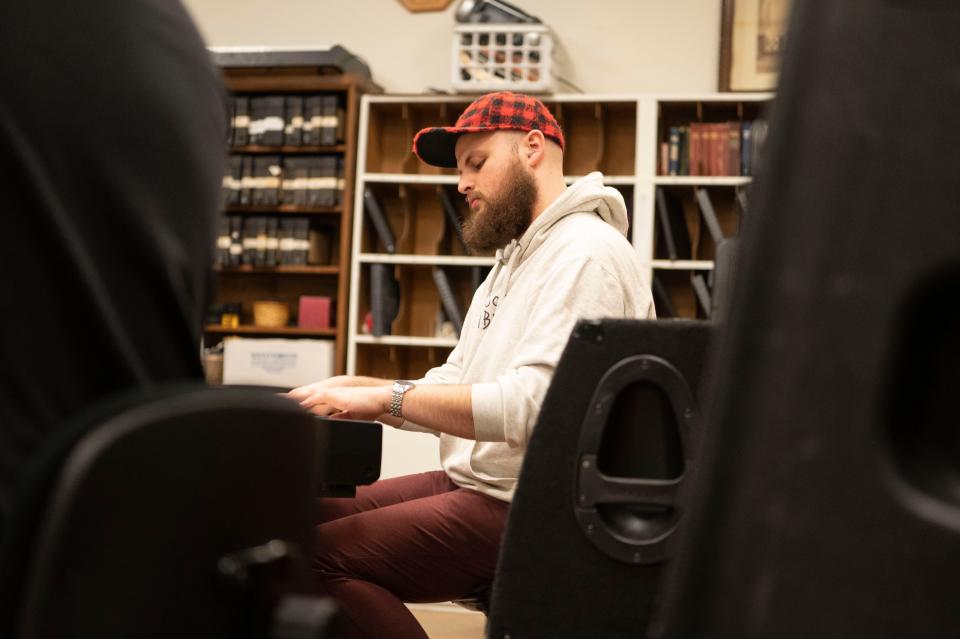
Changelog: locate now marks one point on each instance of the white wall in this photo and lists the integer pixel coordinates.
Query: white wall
(604, 46)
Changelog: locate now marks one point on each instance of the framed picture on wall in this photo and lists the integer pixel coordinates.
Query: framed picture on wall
(752, 35)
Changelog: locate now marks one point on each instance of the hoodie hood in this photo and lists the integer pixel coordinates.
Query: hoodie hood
(586, 195)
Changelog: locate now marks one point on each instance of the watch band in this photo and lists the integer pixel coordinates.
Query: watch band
(400, 387)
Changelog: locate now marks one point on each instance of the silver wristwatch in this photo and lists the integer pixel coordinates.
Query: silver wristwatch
(400, 386)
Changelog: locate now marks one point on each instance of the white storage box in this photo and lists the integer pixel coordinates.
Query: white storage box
(277, 362)
(496, 57)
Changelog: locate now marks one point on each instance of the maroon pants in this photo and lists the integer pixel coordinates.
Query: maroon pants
(417, 539)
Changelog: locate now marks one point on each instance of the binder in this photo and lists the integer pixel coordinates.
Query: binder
(709, 215)
(380, 223)
(673, 226)
(448, 299)
(384, 298)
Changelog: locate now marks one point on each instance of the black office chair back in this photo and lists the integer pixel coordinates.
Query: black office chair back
(828, 502)
(175, 513)
(602, 490)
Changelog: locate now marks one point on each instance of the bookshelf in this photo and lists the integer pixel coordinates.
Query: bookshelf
(324, 222)
(709, 171)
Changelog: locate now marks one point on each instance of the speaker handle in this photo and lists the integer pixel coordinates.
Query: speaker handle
(646, 538)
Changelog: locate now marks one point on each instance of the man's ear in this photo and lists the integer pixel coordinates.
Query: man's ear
(534, 148)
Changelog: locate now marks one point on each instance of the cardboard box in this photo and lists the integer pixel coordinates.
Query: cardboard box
(285, 363)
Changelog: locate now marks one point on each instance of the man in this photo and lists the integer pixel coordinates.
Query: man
(561, 255)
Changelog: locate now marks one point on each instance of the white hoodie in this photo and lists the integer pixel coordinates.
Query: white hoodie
(573, 262)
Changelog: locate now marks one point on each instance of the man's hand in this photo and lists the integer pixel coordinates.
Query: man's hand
(346, 397)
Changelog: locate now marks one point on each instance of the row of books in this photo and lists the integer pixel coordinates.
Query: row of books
(271, 241)
(287, 120)
(269, 180)
(712, 148)
(385, 295)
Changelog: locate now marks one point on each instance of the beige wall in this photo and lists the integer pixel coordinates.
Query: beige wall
(604, 46)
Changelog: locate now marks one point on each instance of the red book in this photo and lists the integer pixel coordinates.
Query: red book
(314, 312)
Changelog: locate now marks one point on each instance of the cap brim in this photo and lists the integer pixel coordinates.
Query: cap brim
(437, 145)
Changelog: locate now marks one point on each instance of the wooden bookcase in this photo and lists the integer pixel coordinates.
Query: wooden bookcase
(658, 115)
(286, 283)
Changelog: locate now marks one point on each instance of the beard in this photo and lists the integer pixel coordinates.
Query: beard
(504, 218)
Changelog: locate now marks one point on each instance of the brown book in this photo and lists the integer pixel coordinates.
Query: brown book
(696, 145)
(733, 148)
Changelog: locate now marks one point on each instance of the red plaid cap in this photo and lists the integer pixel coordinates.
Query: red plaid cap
(492, 112)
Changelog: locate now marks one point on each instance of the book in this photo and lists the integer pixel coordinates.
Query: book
(674, 158)
(709, 215)
(272, 124)
(447, 298)
(746, 148)
(312, 120)
(286, 245)
(248, 182)
(453, 215)
(673, 226)
(384, 298)
(272, 255)
(235, 257)
(379, 220)
(293, 124)
(222, 255)
(241, 120)
(330, 120)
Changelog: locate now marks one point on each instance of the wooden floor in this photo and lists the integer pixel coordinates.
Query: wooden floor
(447, 621)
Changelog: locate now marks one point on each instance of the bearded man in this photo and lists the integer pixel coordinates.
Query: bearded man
(561, 255)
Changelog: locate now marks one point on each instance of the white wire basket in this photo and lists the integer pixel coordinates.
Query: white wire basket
(496, 57)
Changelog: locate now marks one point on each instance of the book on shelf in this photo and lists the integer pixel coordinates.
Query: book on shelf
(293, 124)
(312, 120)
(447, 298)
(384, 298)
(267, 174)
(247, 182)
(222, 254)
(453, 215)
(702, 293)
(286, 244)
(709, 215)
(241, 120)
(661, 300)
(330, 120)
(379, 220)
(235, 257)
(673, 166)
(272, 242)
(673, 225)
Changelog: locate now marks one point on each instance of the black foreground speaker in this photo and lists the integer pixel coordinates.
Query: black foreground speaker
(828, 501)
(601, 491)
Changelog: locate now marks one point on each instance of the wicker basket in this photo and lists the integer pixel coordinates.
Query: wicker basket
(268, 314)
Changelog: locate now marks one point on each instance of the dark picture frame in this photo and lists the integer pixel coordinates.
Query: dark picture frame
(752, 35)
